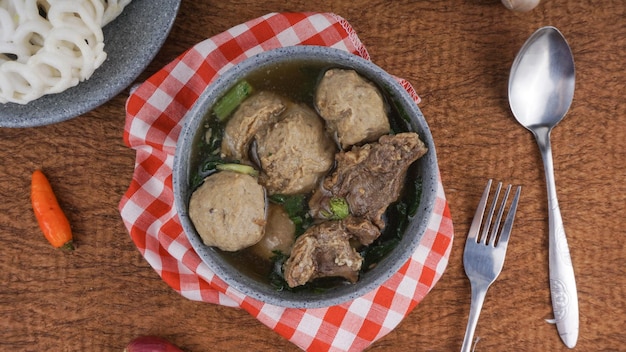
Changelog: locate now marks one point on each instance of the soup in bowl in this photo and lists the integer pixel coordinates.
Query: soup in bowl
(305, 176)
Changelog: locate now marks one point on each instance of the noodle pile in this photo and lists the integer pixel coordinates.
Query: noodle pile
(48, 46)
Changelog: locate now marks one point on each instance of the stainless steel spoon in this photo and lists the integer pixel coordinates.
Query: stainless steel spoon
(541, 89)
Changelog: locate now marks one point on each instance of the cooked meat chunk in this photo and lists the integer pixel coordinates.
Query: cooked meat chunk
(295, 152)
(228, 211)
(254, 114)
(369, 177)
(280, 233)
(324, 250)
(361, 229)
(352, 107)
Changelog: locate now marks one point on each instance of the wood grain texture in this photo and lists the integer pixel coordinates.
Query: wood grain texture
(457, 55)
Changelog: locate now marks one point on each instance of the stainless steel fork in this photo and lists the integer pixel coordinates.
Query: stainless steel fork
(485, 250)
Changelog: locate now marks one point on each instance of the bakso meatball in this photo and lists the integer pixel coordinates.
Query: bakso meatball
(280, 233)
(295, 152)
(254, 114)
(228, 211)
(352, 107)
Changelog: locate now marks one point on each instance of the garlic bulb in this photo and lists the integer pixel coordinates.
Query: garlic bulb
(520, 5)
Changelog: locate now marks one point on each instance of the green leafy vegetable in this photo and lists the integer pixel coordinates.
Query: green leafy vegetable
(415, 194)
(297, 209)
(374, 253)
(210, 147)
(276, 277)
(231, 100)
(212, 141)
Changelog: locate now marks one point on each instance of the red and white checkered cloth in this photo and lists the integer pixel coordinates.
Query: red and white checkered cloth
(155, 112)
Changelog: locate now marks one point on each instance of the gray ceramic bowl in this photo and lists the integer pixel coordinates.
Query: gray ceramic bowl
(131, 41)
(386, 267)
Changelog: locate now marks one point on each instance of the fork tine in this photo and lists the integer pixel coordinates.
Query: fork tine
(478, 216)
(496, 224)
(485, 234)
(508, 223)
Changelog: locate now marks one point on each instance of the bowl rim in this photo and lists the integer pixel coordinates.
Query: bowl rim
(384, 269)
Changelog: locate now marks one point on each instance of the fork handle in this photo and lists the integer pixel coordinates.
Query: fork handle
(478, 298)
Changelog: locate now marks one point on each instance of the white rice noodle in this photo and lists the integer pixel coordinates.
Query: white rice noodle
(53, 72)
(25, 83)
(85, 17)
(30, 35)
(113, 9)
(6, 25)
(47, 54)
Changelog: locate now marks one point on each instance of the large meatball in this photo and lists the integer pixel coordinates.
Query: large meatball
(229, 211)
(352, 107)
(295, 152)
(280, 233)
(253, 115)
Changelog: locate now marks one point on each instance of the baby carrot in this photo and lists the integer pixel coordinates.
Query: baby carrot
(51, 219)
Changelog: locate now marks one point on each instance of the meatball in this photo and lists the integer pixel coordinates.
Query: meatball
(280, 233)
(352, 107)
(295, 152)
(229, 211)
(253, 115)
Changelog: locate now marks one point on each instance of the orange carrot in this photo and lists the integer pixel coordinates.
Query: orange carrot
(51, 219)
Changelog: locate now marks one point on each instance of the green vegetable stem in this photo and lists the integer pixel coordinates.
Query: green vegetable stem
(240, 168)
(229, 102)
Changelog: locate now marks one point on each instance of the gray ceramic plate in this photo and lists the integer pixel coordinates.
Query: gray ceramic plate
(387, 267)
(131, 41)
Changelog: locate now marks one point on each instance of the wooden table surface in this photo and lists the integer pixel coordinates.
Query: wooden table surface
(457, 54)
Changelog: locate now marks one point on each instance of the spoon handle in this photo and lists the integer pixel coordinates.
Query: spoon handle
(562, 281)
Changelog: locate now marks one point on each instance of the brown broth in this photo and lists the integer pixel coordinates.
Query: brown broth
(296, 81)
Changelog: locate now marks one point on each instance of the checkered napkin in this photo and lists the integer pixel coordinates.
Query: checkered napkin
(155, 112)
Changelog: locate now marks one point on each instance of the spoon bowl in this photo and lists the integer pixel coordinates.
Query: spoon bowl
(541, 90)
(541, 86)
